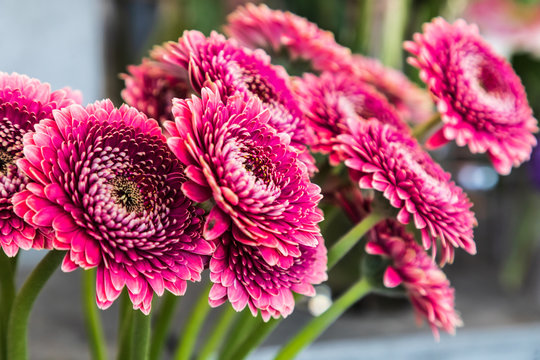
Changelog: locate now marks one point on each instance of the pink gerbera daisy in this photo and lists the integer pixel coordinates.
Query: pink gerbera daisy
(261, 190)
(241, 275)
(274, 30)
(105, 182)
(426, 285)
(238, 70)
(481, 100)
(385, 159)
(330, 100)
(151, 88)
(23, 103)
(264, 218)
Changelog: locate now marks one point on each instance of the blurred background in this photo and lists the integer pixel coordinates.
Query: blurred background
(85, 44)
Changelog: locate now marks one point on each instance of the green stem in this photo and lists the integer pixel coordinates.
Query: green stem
(336, 252)
(347, 241)
(239, 332)
(162, 324)
(7, 294)
(393, 27)
(317, 325)
(364, 15)
(329, 215)
(22, 306)
(140, 336)
(218, 333)
(15, 262)
(124, 327)
(94, 328)
(255, 338)
(421, 130)
(193, 326)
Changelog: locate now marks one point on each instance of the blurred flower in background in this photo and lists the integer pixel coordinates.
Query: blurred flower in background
(509, 25)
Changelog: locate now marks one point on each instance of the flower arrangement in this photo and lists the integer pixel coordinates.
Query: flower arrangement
(216, 170)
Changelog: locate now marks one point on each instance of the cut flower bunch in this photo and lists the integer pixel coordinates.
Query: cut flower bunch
(216, 170)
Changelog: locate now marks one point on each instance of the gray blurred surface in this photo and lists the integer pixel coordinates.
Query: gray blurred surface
(497, 325)
(505, 343)
(56, 41)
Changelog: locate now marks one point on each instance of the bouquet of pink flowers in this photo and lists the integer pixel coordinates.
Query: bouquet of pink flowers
(218, 165)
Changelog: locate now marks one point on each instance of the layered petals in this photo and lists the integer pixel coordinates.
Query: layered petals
(330, 100)
(258, 26)
(252, 173)
(265, 204)
(196, 60)
(242, 275)
(412, 103)
(104, 182)
(23, 103)
(426, 285)
(383, 158)
(480, 98)
(150, 88)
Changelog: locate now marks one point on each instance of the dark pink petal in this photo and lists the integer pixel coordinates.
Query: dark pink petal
(391, 278)
(196, 192)
(217, 222)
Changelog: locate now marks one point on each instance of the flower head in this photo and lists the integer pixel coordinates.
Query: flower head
(23, 103)
(150, 88)
(261, 190)
(330, 100)
(481, 100)
(236, 69)
(242, 276)
(426, 285)
(274, 30)
(390, 161)
(105, 182)
(264, 221)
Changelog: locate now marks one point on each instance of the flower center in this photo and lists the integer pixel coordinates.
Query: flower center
(258, 165)
(127, 193)
(490, 81)
(258, 86)
(5, 160)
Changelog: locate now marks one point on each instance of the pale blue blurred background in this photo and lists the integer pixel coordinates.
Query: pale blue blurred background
(56, 41)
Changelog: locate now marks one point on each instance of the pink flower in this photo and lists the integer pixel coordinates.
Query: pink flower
(241, 275)
(481, 100)
(265, 204)
(390, 161)
(237, 69)
(105, 182)
(151, 88)
(510, 26)
(234, 157)
(274, 30)
(426, 285)
(332, 99)
(23, 103)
